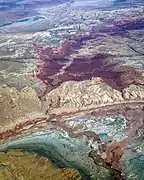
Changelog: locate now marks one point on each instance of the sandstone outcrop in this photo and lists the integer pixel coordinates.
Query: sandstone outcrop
(71, 102)
(89, 94)
(21, 106)
(18, 106)
(23, 165)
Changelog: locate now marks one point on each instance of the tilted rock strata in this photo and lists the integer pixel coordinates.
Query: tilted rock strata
(88, 126)
(23, 165)
(89, 94)
(117, 92)
(71, 99)
(54, 72)
(92, 54)
(16, 107)
(133, 92)
(22, 109)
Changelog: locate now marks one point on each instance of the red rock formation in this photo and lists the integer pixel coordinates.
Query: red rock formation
(59, 122)
(57, 65)
(131, 23)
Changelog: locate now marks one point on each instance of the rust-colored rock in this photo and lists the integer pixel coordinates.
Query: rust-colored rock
(55, 66)
(131, 23)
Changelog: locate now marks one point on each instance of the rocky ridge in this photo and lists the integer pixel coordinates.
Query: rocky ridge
(80, 100)
(23, 165)
(18, 106)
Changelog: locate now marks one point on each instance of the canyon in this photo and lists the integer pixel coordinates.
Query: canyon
(72, 100)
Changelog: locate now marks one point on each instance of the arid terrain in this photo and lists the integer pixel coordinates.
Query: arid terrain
(72, 93)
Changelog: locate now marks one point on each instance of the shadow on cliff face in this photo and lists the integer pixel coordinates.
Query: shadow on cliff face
(56, 65)
(112, 73)
(55, 72)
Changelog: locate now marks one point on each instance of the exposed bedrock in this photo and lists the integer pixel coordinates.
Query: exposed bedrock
(23, 165)
(83, 111)
(131, 23)
(85, 95)
(76, 124)
(69, 98)
(82, 57)
(90, 116)
(69, 142)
